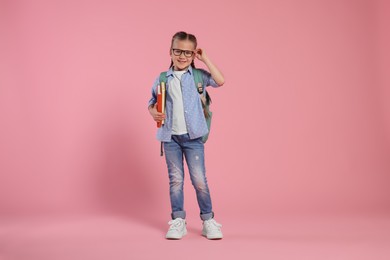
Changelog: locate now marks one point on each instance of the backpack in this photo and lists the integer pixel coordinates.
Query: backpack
(204, 97)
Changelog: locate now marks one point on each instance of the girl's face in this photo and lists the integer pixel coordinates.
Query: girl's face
(182, 54)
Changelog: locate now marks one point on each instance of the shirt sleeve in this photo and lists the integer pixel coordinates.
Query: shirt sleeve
(153, 98)
(208, 80)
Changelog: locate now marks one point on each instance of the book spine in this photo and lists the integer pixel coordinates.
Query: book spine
(161, 101)
(163, 92)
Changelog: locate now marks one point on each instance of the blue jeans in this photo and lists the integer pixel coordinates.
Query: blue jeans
(193, 151)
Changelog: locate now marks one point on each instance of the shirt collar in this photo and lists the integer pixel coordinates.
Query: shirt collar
(170, 71)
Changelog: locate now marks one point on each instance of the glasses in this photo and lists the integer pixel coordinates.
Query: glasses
(178, 52)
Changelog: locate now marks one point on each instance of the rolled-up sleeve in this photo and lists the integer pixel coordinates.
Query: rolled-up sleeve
(153, 99)
(208, 79)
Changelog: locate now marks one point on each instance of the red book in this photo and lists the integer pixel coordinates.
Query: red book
(161, 101)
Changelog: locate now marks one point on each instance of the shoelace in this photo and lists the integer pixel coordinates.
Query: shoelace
(175, 224)
(213, 224)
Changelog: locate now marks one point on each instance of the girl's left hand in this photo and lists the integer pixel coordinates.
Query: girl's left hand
(200, 54)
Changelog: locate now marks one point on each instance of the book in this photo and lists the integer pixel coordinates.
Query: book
(161, 101)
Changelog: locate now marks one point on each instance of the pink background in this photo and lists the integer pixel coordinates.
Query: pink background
(301, 126)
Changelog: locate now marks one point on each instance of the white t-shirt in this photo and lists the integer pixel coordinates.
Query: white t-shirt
(178, 121)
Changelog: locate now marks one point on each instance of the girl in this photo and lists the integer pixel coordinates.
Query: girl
(182, 132)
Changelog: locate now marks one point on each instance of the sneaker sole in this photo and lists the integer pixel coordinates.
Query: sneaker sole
(177, 238)
(212, 238)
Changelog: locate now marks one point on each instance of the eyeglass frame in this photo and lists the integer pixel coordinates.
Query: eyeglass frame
(183, 51)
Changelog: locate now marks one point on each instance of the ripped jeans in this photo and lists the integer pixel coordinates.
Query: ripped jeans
(193, 151)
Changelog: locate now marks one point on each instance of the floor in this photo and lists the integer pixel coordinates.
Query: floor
(119, 237)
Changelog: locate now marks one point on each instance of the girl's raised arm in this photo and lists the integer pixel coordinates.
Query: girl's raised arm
(214, 71)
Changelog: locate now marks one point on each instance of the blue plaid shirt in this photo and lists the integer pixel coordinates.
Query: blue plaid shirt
(193, 111)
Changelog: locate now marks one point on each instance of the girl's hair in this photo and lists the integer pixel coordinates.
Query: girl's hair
(184, 36)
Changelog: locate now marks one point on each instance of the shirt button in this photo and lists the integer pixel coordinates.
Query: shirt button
(185, 111)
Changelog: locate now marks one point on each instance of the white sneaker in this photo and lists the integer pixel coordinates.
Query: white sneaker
(212, 229)
(177, 229)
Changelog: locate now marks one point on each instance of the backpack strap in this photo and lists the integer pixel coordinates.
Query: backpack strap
(198, 80)
(163, 77)
(206, 100)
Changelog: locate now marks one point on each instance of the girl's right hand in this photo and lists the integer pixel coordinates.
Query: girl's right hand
(157, 116)
(200, 54)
